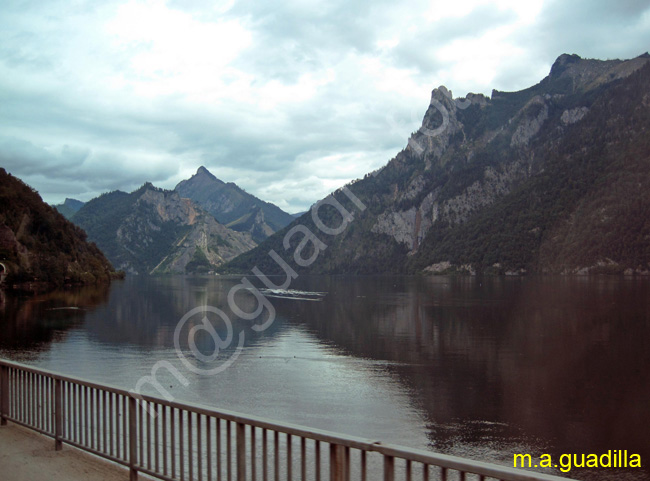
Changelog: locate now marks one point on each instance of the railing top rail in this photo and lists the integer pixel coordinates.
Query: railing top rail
(417, 455)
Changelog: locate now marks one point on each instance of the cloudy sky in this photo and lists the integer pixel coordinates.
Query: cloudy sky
(288, 99)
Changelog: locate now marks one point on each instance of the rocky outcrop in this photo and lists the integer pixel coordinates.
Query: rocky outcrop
(530, 121)
(439, 268)
(574, 115)
(207, 238)
(440, 124)
(399, 225)
(169, 206)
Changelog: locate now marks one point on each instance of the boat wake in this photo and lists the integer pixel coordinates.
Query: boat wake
(293, 294)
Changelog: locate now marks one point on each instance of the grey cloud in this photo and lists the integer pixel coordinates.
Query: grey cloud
(77, 168)
(111, 131)
(24, 158)
(590, 28)
(595, 11)
(99, 140)
(273, 146)
(290, 40)
(521, 74)
(418, 50)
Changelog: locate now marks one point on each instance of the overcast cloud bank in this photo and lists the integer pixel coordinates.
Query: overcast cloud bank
(288, 100)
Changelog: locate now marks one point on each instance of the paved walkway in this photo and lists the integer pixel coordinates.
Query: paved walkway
(28, 456)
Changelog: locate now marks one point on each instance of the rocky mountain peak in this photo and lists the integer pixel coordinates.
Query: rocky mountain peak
(439, 124)
(202, 171)
(441, 93)
(203, 179)
(561, 63)
(231, 205)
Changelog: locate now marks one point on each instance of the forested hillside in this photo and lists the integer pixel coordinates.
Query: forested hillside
(38, 244)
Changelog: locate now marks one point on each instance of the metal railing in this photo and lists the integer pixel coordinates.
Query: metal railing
(181, 441)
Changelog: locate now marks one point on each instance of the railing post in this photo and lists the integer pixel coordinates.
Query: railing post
(389, 468)
(133, 440)
(4, 392)
(336, 463)
(241, 452)
(58, 415)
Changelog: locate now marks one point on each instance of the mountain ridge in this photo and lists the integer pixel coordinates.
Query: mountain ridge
(487, 183)
(155, 231)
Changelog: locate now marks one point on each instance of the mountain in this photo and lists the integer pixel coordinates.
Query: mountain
(232, 206)
(69, 207)
(38, 244)
(154, 231)
(552, 179)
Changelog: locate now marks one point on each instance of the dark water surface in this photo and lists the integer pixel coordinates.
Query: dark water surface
(481, 368)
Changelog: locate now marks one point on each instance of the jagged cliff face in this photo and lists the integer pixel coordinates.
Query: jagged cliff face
(233, 207)
(442, 145)
(500, 184)
(153, 231)
(458, 144)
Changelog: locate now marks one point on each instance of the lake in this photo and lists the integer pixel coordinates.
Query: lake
(476, 367)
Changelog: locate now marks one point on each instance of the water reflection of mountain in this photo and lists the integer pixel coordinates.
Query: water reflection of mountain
(145, 311)
(31, 322)
(561, 362)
